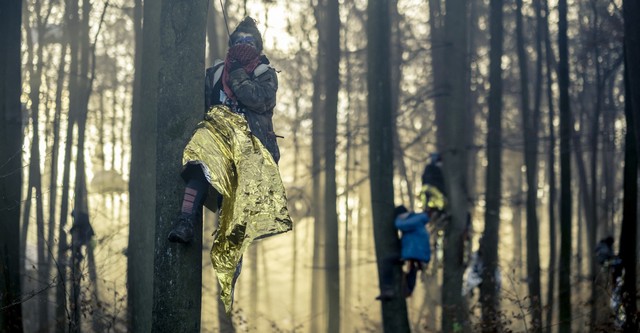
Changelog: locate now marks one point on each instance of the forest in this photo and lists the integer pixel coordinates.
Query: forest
(528, 109)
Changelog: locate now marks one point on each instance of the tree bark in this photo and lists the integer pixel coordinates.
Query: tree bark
(141, 203)
(35, 174)
(564, 287)
(172, 76)
(11, 168)
(489, 244)
(455, 157)
(552, 176)
(318, 149)
(630, 11)
(394, 311)
(628, 234)
(530, 124)
(331, 41)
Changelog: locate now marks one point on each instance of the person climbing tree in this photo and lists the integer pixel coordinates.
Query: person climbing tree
(233, 154)
(415, 252)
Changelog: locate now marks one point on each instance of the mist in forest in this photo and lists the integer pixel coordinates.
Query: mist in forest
(530, 109)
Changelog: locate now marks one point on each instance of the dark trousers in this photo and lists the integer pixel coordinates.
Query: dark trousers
(409, 279)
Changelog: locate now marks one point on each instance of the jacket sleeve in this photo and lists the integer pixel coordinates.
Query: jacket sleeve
(412, 222)
(257, 94)
(208, 88)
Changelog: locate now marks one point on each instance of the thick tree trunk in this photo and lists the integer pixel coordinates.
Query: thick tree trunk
(455, 156)
(318, 150)
(331, 24)
(141, 201)
(631, 10)
(628, 234)
(394, 311)
(55, 147)
(552, 176)
(490, 239)
(530, 131)
(565, 174)
(172, 76)
(11, 155)
(35, 174)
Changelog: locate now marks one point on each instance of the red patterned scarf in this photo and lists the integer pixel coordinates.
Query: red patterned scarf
(247, 55)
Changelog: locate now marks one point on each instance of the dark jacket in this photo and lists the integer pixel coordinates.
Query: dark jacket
(256, 96)
(415, 237)
(432, 175)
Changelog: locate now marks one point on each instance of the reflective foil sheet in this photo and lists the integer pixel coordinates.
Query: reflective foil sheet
(432, 198)
(240, 168)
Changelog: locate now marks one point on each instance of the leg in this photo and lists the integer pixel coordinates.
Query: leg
(194, 196)
(411, 277)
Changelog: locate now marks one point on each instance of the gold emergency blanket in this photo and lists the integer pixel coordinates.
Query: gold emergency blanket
(240, 168)
(432, 198)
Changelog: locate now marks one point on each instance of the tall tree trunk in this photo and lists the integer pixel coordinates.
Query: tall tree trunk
(55, 147)
(11, 168)
(35, 174)
(318, 150)
(489, 245)
(61, 292)
(172, 76)
(598, 298)
(394, 311)
(214, 37)
(628, 234)
(552, 175)
(455, 156)
(436, 25)
(81, 237)
(347, 291)
(530, 131)
(564, 287)
(396, 80)
(73, 27)
(141, 203)
(331, 23)
(631, 10)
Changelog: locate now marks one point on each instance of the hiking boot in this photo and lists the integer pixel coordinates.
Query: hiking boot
(183, 230)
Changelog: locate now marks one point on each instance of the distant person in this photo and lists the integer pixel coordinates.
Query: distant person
(433, 194)
(415, 252)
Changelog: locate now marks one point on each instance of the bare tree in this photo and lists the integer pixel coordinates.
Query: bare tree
(530, 124)
(552, 176)
(172, 73)
(35, 174)
(141, 202)
(11, 167)
(489, 243)
(318, 150)
(565, 174)
(629, 232)
(455, 157)
(329, 47)
(631, 9)
(394, 311)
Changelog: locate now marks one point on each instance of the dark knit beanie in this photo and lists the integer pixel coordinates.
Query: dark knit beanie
(248, 26)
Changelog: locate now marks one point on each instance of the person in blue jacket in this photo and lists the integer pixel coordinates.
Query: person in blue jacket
(415, 252)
